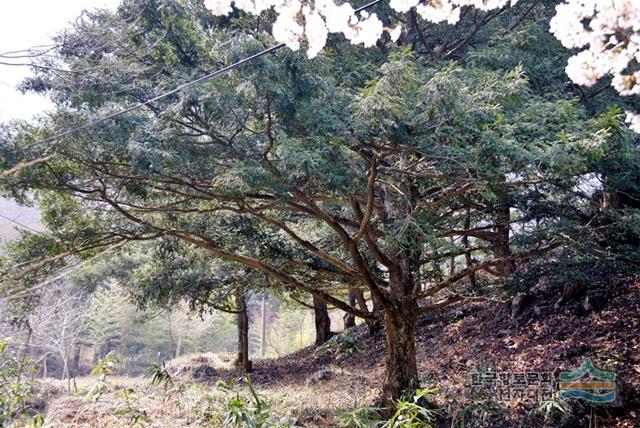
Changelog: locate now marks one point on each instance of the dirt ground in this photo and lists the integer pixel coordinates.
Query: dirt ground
(452, 344)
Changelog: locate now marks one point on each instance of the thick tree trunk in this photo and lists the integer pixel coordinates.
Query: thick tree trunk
(350, 319)
(322, 320)
(96, 354)
(401, 370)
(243, 361)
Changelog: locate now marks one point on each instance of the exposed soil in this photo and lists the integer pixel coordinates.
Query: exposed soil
(457, 341)
(451, 344)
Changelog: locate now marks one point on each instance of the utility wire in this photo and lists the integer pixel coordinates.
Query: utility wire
(159, 97)
(24, 226)
(100, 120)
(177, 89)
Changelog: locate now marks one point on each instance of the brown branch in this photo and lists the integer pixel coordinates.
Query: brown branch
(480, 266)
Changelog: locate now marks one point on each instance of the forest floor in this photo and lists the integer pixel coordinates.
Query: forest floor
(310, 386)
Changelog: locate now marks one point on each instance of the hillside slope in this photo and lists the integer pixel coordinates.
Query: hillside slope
(454, 343)
(310, 386)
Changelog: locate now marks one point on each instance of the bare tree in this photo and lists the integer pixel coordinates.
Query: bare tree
(59, 322)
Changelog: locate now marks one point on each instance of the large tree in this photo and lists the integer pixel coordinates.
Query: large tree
(327, 175)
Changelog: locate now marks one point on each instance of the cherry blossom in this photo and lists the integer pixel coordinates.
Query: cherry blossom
(219, 7)
(633, 119)
(607, 32)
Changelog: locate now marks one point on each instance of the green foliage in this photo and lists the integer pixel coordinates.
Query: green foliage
(410, 412)
(102, 370)
(553, 409)
(159, 375)
(270, 166)
(16, 386)
(344, 344)
(208, 410)
(234, 406)
(131, 409)
(244, 410)
(359, 417)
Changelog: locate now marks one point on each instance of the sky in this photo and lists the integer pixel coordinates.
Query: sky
(27, 23)
(23, 24)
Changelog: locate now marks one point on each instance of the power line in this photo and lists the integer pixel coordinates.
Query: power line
(24, 226)
(159, 97)
(177, 89)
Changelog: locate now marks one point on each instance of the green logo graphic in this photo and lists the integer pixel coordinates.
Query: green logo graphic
(588, 383)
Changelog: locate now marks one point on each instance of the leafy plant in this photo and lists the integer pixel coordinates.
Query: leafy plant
(16, 386)
(359, 417)
(132, 410)
(208, 411)
(245, 410)
(102, 370)
(412, 412)
(553, 409)
(345, 344)
(159, 375)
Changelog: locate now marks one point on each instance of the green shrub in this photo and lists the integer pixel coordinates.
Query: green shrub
(244, 410)
(359, 417)
(131, 409)
(553, 409)
(411, 410)
(159, 375)
(16, 387)
(344, 344)
(103, 369)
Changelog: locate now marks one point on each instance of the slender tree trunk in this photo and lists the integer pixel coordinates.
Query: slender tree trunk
(178, 346)
(350, 319)
(243, 334)
(452, 260)
(75, 365)
(375, 326)
(322, 320)
(467, 254)
(362, 305)
(401, 370)
(65, 372)
(501, 247)
(263, 325)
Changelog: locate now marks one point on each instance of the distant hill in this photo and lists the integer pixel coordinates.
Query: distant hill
(27, 216)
